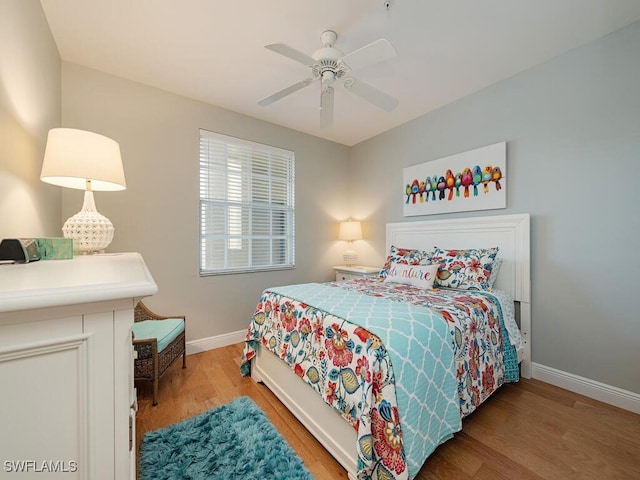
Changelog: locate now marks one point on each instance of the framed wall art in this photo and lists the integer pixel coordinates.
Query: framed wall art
(467, 181)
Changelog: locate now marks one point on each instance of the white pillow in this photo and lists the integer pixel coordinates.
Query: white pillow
(416, 275)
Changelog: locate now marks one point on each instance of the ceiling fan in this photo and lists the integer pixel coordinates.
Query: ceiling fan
(328, 64)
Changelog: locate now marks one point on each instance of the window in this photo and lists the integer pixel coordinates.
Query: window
(247, 215)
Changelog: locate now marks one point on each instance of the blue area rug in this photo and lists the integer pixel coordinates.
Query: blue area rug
(234, 441)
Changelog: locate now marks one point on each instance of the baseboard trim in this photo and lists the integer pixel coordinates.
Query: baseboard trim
(209, 343)
(589, 388)
(584, 386)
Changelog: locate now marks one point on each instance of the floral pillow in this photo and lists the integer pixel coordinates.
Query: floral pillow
(468, 269)
(495, 268)
(427, 258)
(403, 256)
(417, 275)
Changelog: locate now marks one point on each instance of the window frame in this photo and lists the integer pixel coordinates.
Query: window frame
(244, 192)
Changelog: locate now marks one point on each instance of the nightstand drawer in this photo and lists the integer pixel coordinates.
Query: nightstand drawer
(344, 273)
(342, 276)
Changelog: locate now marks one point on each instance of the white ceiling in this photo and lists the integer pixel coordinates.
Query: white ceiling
(213, 50)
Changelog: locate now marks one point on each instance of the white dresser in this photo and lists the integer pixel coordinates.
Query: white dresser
(67, 400)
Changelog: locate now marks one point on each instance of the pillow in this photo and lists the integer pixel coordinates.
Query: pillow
(417, 275)
(405, 256)
(468, 269)
(495, 268)
(427, 258)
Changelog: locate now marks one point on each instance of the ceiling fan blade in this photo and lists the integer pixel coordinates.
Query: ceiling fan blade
(374, 52)
(370, 94)
(291, 53)
(285, 91)
(326, 107)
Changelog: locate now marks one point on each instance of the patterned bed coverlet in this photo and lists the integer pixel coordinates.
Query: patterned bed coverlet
(399, 372)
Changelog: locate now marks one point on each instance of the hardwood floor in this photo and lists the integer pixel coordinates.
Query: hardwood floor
(529, 430)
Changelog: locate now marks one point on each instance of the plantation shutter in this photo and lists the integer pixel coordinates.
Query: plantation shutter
(247, 220)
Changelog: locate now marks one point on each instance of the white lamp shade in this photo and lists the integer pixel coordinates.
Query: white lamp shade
(74, 156)
(350, 231)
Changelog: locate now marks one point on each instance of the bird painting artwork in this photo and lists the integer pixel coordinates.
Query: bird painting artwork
(466, 181)
(450, 181)
(412, 191)
(477, 178)
(434, 186)
(438, 184)
(496, 176)
(442, 185)
(487, 176)
(427, 187)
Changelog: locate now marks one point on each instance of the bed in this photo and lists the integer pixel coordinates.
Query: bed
(349, 435)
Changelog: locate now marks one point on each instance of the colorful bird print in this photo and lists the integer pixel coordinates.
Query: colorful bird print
(415, 186)
(477, 179)
(434, 186)
(450, 181)
(421, 191)
(458, 182)
(442, 185)
(496, 176)
(437, 185)
(487, 176)
(427, 187)
(466, 180)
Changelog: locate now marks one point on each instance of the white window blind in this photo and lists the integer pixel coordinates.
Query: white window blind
(247, 214)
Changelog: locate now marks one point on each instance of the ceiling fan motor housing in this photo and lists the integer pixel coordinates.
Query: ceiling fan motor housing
(327, 67)
(327, 58)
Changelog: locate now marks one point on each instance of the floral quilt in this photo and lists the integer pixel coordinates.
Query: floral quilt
(350, 366)
(485, 358)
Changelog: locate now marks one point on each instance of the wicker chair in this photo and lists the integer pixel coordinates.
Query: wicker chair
(151, 364)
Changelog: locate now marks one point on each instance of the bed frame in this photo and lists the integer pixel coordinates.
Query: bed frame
(509, 232)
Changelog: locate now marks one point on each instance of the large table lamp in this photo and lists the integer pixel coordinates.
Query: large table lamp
(90, 162)
(350, 231)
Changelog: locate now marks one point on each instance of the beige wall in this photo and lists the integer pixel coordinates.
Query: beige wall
(157, 215)
(29, 107)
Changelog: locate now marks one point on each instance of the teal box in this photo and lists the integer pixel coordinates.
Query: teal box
(55, 248)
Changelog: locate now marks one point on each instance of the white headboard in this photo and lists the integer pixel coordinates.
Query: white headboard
(508, 232)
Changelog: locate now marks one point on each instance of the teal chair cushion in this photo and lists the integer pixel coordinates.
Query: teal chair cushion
(165, 331)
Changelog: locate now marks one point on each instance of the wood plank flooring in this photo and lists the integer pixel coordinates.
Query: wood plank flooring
(526, 431)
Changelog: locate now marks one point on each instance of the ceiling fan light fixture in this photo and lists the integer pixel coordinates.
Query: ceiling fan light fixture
(328, 77)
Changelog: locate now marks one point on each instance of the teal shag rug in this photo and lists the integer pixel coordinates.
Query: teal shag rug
(232, 442)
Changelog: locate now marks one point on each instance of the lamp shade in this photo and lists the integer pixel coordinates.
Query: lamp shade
(74, 156)
(350, 231)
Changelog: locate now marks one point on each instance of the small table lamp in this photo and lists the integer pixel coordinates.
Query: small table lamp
(350, 231)
(85, 161)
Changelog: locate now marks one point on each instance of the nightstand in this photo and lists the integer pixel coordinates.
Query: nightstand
(349, 273)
